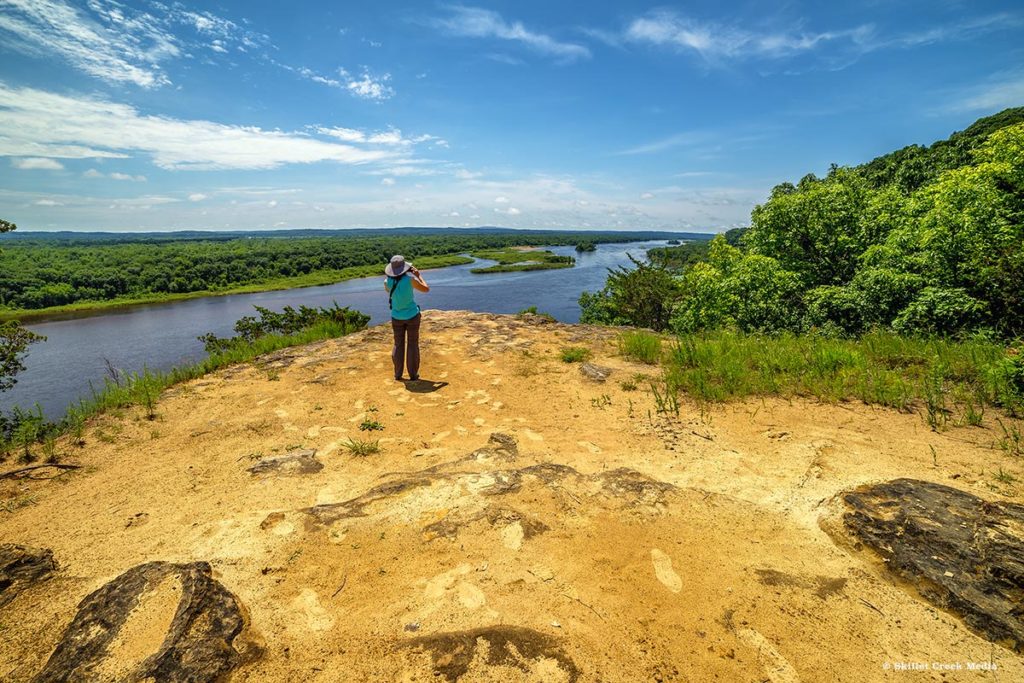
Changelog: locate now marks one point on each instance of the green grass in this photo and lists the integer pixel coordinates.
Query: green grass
(575, 354)
(939, 377)
(640, 346)
(511, 260)
(361, 449)
(315, 279)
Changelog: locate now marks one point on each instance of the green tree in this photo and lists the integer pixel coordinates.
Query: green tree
(14, 340)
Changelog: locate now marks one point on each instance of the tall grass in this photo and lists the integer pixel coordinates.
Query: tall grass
(641, 346)
(940, 376)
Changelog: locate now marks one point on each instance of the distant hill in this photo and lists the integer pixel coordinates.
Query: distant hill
(68, 237)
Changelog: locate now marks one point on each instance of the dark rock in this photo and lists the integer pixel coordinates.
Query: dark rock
(960, 552)
(295, 462)
(22, 566)
(598, 373)
(452, 653)
(199, 645)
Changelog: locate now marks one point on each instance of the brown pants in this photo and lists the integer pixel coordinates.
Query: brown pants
(407, 330)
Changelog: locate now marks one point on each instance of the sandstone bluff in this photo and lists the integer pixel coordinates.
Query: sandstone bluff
(524, 520)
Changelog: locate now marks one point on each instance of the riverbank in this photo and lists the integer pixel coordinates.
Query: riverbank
(315, 279)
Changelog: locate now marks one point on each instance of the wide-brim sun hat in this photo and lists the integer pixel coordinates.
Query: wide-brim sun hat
(397, 267)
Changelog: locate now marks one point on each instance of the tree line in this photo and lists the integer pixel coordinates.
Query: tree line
(39, 273)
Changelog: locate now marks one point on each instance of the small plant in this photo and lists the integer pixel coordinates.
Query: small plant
(628, 385)
(368, 425)
(575, 354)
(602, 401)
(666, 399)
(1004, 477)
(361, 449)
(640, 346)
(532, 310)
(273, 375)
(936, 413)
(49, 449)
(1012, 440)
(75, 422)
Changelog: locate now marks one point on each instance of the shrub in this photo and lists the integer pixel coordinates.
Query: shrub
(832, 307)
(941, 311)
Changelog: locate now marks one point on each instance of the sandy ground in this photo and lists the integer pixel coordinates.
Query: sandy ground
(600, 543)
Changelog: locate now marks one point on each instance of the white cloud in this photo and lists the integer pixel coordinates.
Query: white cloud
(463, 174)
(387, 181)
(45, 124)
(476, 22)
(197, 197)
(37, 164)
(501, 200)
(368, 87)
(647, 195)
(92, 173)
(272, 203)
(125, 176)
(47, 202)
(510, 211)
(117, 43)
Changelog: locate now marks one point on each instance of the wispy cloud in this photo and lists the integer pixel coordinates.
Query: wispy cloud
(717, 42)
(44, 124)
(391, 137)
(476, 22)
(37, 164)
(116, 46)
(1002, 91)
(114, 42)
(94, 174)
(367, 86)
(678, 140)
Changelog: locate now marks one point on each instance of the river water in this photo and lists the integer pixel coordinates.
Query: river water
(61, 370)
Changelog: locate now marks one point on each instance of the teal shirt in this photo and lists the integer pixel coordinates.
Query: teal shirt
(403, 304)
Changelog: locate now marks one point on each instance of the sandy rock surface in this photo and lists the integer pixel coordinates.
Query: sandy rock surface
(521, 522)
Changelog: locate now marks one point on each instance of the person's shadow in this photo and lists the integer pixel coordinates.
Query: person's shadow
(423, 386)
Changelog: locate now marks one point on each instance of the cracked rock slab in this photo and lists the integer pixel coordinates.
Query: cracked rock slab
(205, 620)
(20, 567)
(293, 463)
(961, 553)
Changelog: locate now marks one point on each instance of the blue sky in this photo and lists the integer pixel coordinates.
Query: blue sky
(144, 115)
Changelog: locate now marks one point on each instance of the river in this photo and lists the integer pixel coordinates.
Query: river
(61, 370)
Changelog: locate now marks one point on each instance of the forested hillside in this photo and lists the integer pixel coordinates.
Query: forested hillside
(922, 240)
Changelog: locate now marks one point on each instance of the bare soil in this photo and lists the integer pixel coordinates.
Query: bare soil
(521, 522)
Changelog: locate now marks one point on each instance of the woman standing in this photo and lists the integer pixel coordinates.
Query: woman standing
(402, 278)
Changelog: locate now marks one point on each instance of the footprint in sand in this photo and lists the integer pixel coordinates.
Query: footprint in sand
(512, 536)
(776, 667)
(592, 447)
(281, 413)
(663, 570)
(308, 604)
(479, 421)
(313, 431)
(532, 435)
(496, 406)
